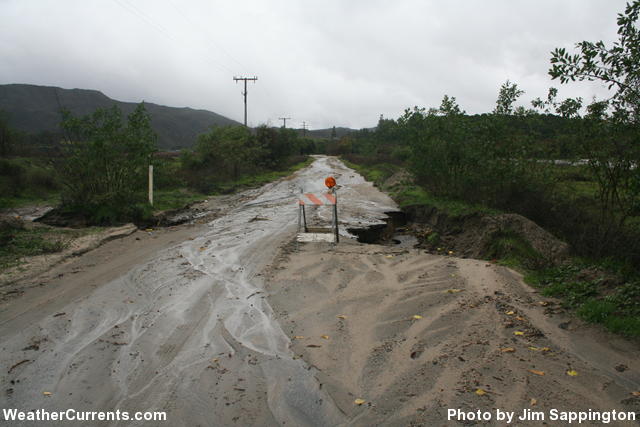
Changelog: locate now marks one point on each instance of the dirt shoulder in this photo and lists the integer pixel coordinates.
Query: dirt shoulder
(415, 334)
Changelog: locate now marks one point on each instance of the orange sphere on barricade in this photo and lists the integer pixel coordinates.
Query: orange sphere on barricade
(330, 182)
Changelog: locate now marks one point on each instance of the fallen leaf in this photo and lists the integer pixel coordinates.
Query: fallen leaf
(545, 349)
(326, 337)
(298, 337)
(543, 303)
(417, 317)
(518, 333)
(453, 291)
(341, 316)
(520, 318)
(480, 392)
(202, 248)
(214, 360)
(450, 252)
(534, 371)
(534, 348)
(389, 256)
(46, 393)
(572, 373)
(314, 346)
(359, 401)
(636, 393)
(534, 402)
(510, 313)
(508, 350)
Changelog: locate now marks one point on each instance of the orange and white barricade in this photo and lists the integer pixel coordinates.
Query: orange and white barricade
(313, 234)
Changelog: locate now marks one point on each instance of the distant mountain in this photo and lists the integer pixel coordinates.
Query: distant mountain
(33, 109)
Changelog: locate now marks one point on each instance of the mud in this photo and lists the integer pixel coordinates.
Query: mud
(182, 327)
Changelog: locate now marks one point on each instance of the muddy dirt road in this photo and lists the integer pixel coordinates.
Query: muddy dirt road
(185, 330)
(181, 320)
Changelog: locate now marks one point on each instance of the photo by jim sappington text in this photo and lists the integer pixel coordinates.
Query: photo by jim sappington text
(564, 417)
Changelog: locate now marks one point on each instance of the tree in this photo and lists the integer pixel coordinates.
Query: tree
(104, 163)
(507, 96)
(618, 66)
(610, 142)
(7, 135)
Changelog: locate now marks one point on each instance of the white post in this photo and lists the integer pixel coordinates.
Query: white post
(151, 185)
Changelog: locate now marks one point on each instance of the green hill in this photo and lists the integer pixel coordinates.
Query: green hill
(34, 109)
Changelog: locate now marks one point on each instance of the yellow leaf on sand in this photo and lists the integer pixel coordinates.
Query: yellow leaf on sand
(510, 313)
(46, 393)
(518, 333)
(450, 252)
(480, 392)
(389, 256)
(520, 318)
(508, 350)
(543, 303)
(453, 291)
(326, 337)
(298, 337)
(534, 402)
(636, 393)
(534, 348)
(545, 349)
(359, 401)
(416, 317)
(572, 373)
(534, 371)
(214, 360)
(341, 316)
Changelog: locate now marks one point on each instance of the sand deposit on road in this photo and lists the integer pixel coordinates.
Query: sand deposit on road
(414, 334)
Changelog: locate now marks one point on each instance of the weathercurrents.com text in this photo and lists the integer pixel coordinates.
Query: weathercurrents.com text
(564, 417)
(81, 416)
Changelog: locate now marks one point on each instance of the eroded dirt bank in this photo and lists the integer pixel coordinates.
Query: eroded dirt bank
(415, 334)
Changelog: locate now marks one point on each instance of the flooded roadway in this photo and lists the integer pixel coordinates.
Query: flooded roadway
(190, 332)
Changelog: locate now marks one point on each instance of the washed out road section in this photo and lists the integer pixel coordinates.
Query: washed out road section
(189, 331)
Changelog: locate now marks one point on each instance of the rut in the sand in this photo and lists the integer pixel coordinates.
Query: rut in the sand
(411, 369)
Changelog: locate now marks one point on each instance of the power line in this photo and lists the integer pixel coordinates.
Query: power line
(245, 79)
(201, 31)
(134, 10)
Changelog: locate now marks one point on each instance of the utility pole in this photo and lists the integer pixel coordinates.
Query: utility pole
(304, 129)
(245, 93)
(284, 120)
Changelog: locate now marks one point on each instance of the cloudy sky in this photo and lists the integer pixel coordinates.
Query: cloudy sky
(325, 62)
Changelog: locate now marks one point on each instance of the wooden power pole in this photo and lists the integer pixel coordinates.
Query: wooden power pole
(245, 79)
(284, 121)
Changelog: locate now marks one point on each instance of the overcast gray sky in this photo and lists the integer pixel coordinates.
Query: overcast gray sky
(328, 62)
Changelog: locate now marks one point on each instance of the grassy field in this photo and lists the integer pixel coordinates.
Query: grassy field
(17, 242)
